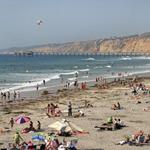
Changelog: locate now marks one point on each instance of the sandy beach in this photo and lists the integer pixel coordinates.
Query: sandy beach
(132, 114)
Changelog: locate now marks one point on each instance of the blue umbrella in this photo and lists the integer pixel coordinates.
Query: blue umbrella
(38, 138)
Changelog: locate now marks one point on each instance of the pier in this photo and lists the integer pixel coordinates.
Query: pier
(32, 53)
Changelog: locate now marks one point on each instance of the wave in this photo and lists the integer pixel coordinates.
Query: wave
(97, 67)
(141, 57)
(30, 84)
(31, 80)
(84, 70)
(72, 79)
(89, 59)
(125, 58)
(139, 72)
(135, 58)
(69, 73)
(75, 67)
(84, 76)
(108, 66)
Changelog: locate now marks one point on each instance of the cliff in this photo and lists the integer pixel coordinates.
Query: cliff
(129, 44)
(135, 44)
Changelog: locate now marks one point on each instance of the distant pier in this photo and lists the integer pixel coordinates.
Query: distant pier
(32, 53)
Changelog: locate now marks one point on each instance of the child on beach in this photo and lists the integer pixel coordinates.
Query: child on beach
(38, 125)
(11, 122)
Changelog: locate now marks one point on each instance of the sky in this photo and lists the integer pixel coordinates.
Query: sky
(70, 20)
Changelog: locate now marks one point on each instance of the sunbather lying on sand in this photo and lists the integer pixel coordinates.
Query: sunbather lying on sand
(79, 114)
(116, 106)
(112, 124)
(147, 109)
(87, 104)
(137, 139)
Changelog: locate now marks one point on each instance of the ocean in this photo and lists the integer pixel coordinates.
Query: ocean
(23, 73)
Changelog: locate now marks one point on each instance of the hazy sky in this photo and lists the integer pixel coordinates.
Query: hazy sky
(70, 20)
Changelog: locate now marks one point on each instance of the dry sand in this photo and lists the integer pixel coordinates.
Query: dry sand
(132, 114)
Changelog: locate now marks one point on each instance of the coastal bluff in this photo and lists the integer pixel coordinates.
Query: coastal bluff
(129, 44)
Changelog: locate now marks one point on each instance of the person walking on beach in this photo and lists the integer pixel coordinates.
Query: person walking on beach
(1, 95)
(31, 126)
(11, 122)
(15, 94)
(4, 95)
(48, 109)
(38, 125)
(76, 83)
(8, 95)
(69, 109)
(44, 82)
(37, 87)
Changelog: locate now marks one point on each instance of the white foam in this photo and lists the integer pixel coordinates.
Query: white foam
(141, 57)
(75, 67)
(84, 70)
(139, 72)
(98, 67)
(30, 84)
(84, 76)
(71, 79)
(108, 66)
(125, 58)
(89, 59)
(69, 73)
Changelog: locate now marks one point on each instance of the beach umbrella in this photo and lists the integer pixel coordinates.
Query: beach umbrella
(22, 119)
(66, 125)
(39, 136)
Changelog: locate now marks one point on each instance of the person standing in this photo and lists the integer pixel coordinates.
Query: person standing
(37, 87)
(38, 125)
(17, 138)
(69, 109)
(15, 94)
(8, 95)
(11, 122)
(44, 82)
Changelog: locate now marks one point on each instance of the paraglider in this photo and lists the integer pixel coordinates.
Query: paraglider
(39, 22)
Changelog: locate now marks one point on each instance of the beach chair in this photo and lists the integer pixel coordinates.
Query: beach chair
(105, 127)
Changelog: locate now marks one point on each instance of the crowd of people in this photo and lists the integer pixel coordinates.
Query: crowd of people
(138, 138)
(51, 143)
(7, 95)
(112, 124)
(53, 110)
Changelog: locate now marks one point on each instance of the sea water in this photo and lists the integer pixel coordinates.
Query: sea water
(26, 72)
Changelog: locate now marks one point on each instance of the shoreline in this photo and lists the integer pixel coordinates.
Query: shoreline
(53, 91)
